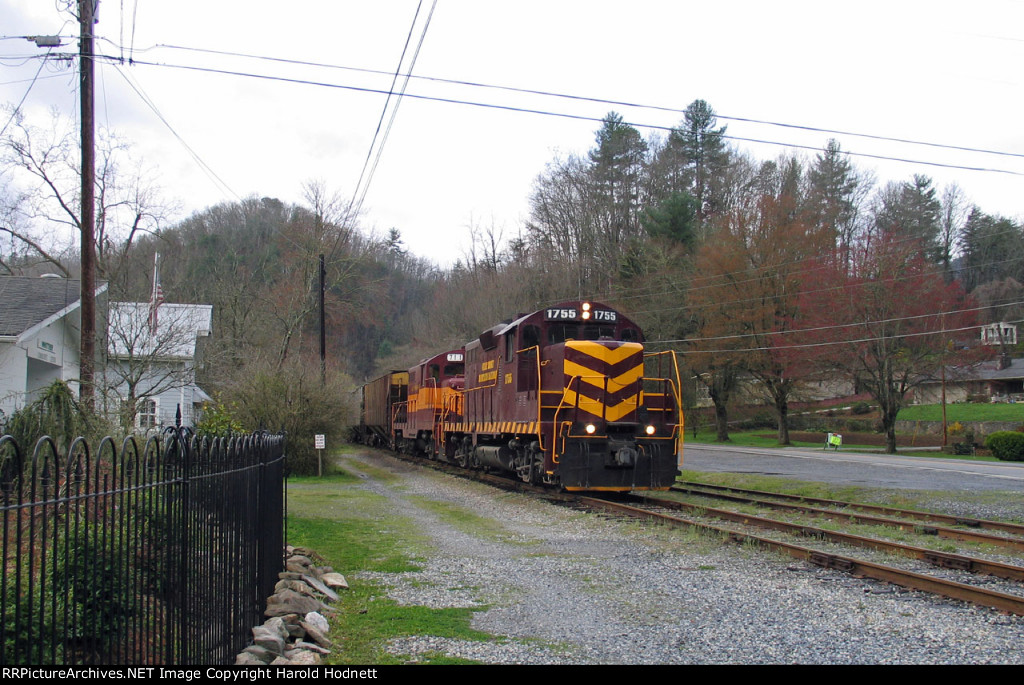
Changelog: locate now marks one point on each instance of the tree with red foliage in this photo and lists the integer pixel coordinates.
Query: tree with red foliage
(886, 323)
(751, 275)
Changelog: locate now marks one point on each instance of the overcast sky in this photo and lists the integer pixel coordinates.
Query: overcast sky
(930, 71)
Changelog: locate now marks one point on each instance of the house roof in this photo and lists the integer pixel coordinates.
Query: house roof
(26, 302)
(985, 371)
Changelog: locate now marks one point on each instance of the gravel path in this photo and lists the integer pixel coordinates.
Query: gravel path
(563, 587)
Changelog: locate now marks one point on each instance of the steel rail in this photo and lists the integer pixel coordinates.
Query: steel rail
(1016, 528)
(859, 567)
(940, 559)
(939, 531)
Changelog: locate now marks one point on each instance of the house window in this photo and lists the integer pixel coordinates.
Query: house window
(148, 417)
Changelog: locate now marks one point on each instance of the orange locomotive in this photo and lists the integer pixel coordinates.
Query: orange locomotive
(565, 396)
(434, 397)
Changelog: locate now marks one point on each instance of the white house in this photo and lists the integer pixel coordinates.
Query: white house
(151, 361)
(1001, 333)
(40, 336)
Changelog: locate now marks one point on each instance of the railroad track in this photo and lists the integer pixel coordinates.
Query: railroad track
(1013, 542)
(1009, 601)
(651, 506)
(722, 492)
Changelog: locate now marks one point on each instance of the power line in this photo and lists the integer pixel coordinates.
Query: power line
(593, 99)
(856, 341)
(210, 173)
(17, 109)
(527, 110)
(930, 315)
(357, 206)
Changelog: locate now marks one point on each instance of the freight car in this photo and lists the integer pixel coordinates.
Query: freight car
(380, 396)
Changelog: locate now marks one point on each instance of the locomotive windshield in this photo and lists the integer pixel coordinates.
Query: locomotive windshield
(560, 332)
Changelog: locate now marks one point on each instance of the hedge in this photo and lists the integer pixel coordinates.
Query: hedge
(1006, 445)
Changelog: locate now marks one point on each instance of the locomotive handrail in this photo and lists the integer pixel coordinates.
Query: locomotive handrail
(677, 385)
(554, 419)
(678, 432)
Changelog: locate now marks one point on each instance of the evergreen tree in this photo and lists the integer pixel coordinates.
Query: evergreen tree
(832, 197)
(695, 158)
(990, 245)
(911, 210)
(616, 170)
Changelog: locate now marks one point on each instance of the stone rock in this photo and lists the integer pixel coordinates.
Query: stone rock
(278, 626)
(300, 586)
(260, 653)
(317, 620)
(299, 564)
(318, 636)
(311, 646)
(291, 602)
(296, 632)
(304, 657)
(335, 580)
(249, 659)
(321, 588)
(268, 639)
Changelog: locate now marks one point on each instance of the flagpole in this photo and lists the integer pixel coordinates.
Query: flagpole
(157, 296)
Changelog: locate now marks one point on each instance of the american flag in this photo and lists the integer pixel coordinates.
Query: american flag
(158, 295)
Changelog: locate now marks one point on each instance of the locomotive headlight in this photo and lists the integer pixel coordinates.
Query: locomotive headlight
(590, 428)
(586, 315)
(586, 306)
(649, 430)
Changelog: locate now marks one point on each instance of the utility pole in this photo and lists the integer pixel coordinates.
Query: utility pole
(87, 361)
(323, 328)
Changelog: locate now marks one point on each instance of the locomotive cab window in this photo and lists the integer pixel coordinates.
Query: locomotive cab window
(531, 337)
(560, 332)
(630, 335)
(510, 345)
(595, 332)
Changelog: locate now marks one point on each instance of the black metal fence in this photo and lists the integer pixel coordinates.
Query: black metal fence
(163, 555)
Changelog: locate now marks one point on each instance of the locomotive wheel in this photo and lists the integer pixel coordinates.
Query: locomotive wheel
(524, 466)
(462, 457)
(528, 465)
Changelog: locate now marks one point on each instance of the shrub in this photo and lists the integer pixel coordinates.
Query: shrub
(219, 418)
(56, 413)
(1006, 445)
(290, 397)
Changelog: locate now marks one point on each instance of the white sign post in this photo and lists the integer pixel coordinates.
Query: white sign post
(319, 442)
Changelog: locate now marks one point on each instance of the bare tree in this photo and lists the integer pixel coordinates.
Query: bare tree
(955, 209)
(150, 353)
(44, 183)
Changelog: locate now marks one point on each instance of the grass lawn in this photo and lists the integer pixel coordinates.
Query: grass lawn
(357, 531)
(964, 412)
(756, 438)
(763, 437)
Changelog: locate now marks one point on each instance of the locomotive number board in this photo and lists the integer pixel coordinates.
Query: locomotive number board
(574, 315)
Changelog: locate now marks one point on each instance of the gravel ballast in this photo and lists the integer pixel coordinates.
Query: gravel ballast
(558, 586)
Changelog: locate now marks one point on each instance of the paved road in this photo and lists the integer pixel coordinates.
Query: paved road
(858, 468)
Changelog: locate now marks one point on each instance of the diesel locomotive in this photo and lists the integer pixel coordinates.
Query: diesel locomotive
(566, 396)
